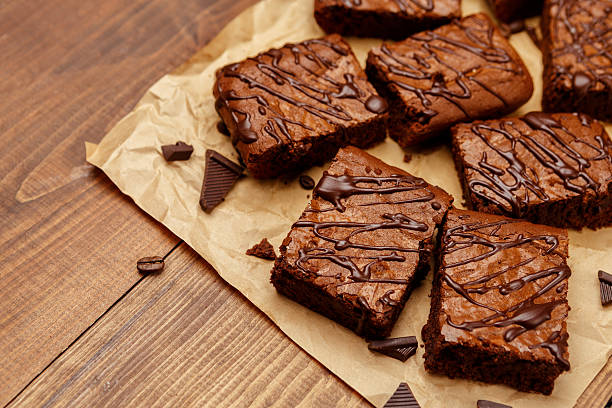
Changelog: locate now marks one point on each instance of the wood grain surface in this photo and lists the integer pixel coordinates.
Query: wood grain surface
(78, 325)
(184, 338)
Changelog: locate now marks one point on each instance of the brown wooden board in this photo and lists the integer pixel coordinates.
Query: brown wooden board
(185, 338)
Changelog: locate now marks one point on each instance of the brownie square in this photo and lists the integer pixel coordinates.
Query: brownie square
(577, 46)
(293, 107)
(553, 169)
(362, 244)
(512, 10)
(499, 302)
(393, 19)
(462, 71)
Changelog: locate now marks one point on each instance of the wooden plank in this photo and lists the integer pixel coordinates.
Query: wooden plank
(599, 391)
(185, 338)
(70, 69)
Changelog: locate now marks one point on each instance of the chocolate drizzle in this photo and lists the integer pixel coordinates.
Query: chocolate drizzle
(268, 81)
(520, 317)
(512, 185)
(336, 188)
(404, 5)
(581, 32)
(553, 344)
(426, 73)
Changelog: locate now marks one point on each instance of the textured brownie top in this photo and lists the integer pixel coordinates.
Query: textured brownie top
(504, 285)
(535, 159)
(456, 72)
(293, 93)
(360, 237)
(578, 43)
(412, 8)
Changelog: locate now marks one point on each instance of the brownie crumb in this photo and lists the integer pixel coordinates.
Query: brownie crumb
(407, 158)
(263, 250)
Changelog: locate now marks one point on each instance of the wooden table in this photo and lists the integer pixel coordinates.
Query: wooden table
(78, 325)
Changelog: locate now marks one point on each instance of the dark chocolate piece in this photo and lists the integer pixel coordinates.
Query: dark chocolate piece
(605, 286)
(263, 250)
(362, 244)
(490, 404)
(510, 11)
(290, 108)
(178, 151)
(307, 182)
(393, 19)
(499, 302)
(402, 398)
(150, 264)
(400, 348)
(220, 175)
(553, 169)
(459, 72)
(577, 60)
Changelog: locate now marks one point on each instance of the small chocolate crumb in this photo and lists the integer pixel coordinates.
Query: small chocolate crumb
(514, 27)
(150, 264)
(605, 287)
(436, 205)
(402, 397)
(407, 158)
(222, 128)
(490, 404)
(178, 151)
(220, 175)
(263, 250)
(307, 182)
(400, 348)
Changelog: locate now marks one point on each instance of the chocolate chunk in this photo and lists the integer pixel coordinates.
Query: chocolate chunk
(402, 397)
(490, 404)
(605, 286)
(221, 174)
(178, 151)
(150, 264)
(400, 348)
(307, 182)
(263, 250)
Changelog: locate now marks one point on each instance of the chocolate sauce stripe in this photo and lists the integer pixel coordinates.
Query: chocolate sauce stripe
(522, 316)
(427, 5)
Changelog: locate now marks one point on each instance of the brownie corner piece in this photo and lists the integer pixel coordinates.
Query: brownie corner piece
(577, 65)
(292, 107)
(553, 169)
(383, 18)
(499, 302)
(362, 244)
(462, 71)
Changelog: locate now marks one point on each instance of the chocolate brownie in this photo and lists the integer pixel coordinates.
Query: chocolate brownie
(393, 19)
(553, 169)
(461, 71)
(512, 10)
(499, 302)
(293, 107)
(362, 244)
(577, 47)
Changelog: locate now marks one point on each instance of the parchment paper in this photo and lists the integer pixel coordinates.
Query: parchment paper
(180, 106)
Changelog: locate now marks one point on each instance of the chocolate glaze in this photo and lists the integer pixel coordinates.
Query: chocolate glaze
(433, 47)
(524, 315)
(556, 154)
(320, 98)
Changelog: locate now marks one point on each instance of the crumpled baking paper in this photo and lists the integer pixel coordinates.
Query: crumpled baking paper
(180, 106)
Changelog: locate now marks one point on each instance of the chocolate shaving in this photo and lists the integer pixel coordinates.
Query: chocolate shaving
(263, 250)
(402, 398)
(220, 175)
(178, 151)
(400, 348)
(490, 404)
(605, 287)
